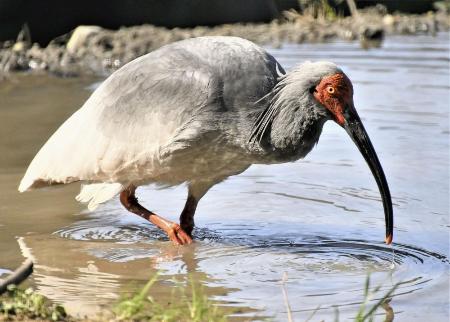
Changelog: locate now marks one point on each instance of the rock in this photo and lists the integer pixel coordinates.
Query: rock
(19, 46)
(372, 33)
(388, 20)
(80, 36)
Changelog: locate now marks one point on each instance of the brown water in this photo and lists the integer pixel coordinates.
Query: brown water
(320, 219)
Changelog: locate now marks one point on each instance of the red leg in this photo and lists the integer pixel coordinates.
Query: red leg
(173, 230)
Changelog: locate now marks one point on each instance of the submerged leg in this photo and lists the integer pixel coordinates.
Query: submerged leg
(187, 215)
(173, 230)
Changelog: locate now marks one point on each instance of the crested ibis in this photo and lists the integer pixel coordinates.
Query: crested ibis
(197, 111)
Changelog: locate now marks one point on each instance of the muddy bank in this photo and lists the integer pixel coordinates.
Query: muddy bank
(94, 50)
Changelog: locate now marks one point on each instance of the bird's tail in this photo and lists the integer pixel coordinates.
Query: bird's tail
(96, 193)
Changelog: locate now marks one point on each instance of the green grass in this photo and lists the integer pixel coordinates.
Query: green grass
(19, 304)
(188, 304)
(193, 307)
(366, 312)
(318, 9)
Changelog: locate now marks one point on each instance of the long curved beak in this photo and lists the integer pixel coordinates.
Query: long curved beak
(355, 129)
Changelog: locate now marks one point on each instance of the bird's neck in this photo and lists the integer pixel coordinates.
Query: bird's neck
(293, 135)
(288, 128)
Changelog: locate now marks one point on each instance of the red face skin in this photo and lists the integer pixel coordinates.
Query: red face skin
(335, 92)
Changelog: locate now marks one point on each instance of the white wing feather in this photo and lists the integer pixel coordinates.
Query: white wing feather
(118, 134)
(97, 193)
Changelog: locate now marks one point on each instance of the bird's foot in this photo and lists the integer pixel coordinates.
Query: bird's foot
(187, 227)
(178, 236)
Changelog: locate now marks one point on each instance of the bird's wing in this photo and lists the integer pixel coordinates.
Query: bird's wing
(147, 107)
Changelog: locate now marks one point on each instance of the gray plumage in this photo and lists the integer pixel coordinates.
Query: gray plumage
(195, 111)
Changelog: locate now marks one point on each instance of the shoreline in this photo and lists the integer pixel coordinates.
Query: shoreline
(92, 50)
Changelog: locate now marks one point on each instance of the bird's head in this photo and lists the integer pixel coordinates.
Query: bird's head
(332, 94)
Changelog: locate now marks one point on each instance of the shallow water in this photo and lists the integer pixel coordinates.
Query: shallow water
(320, 220)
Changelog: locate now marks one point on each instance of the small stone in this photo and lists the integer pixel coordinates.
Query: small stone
(19, 46)
(79, 37)
(388, 20)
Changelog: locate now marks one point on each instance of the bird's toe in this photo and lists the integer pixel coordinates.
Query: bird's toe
(178, 236)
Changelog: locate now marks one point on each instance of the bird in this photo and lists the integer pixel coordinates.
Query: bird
(196, 112)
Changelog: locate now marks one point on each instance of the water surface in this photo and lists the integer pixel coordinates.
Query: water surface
(320, 220)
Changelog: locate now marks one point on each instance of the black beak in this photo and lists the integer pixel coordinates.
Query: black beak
(355, 129)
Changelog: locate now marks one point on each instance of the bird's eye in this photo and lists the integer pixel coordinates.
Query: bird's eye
(330, 89)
